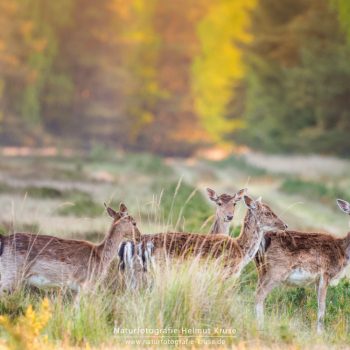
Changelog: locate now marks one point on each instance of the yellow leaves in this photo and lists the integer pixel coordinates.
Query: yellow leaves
(10, 60)
(121, 8)
(147, 117)
(137, 36)
(39, 45)
(25, 333)
(9, 7)
(140, 5)
(138, 27)
(32, 76)
(36, 321)
(219, 63)
(26, 28)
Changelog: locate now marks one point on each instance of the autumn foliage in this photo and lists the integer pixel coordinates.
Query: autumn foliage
(170, 76)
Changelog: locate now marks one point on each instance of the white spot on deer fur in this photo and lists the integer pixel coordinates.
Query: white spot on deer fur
(43, 282)
(39, 281)
(149, 255)
(301, 277)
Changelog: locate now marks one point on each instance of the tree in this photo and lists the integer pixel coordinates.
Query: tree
(343, 8)
(219, 63)
(297, 82)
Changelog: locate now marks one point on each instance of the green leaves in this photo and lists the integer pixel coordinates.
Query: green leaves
(296, 89)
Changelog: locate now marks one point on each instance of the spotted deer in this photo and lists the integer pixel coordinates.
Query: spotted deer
(235, 252)
(48, 261)
(225, 209)
(299, 259)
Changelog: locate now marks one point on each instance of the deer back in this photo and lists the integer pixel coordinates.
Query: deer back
(192, 244)
(33, 247)
(291, 249)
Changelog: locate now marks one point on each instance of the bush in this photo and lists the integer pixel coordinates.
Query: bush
(241, 164)
(81, 204)
(312, 189)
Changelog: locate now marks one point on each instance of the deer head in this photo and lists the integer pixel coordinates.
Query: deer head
(117, 215)
(123, 213)
(266, 218)
(125, 225)
(225, 203)
(344, 206)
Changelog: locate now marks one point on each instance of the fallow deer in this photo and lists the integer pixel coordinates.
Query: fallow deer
(236, 253)
(48, 261)
(225, 209)
(301, 258)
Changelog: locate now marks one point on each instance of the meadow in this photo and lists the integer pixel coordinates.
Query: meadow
(64, 196)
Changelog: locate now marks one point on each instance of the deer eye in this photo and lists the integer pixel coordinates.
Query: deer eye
(219, 204)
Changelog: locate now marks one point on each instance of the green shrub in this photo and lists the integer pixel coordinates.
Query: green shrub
(236, 161)
(81, 204)
(43, 192)
(312, 189)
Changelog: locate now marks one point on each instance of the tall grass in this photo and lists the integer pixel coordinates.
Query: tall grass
(185, 298)
(182, 206)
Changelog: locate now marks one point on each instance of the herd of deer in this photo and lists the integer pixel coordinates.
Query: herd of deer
(280, 255)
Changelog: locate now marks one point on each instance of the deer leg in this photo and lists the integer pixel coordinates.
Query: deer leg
(265, 286)
(321, 298)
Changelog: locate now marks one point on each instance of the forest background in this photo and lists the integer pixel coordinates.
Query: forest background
(172, 76)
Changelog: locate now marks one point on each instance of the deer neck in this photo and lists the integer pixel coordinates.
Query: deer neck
(109, 246)
(250, 238)
(345, 244)
(220, 226)
(136, 234)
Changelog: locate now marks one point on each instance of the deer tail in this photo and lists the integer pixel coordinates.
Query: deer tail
(129, 250)
(1, 245)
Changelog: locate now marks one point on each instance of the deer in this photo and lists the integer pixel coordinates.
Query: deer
(49, 261)
(299, 259)
(236, 253)
(225, 209)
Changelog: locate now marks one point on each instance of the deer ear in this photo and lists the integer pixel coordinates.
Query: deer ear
(238, 196)
(344, 206)
(123, 209)
(212, 194)
(249, 202)
(111, 212)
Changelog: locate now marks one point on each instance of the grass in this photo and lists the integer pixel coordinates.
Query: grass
(184, 297)
(80, 204)
(312, 189)
(32, 191)
(44, 192)
(7, 227)
(41, 192)
(132, 163)
(238, 162)
(182, 206)
(188, 295)
(77, 203)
